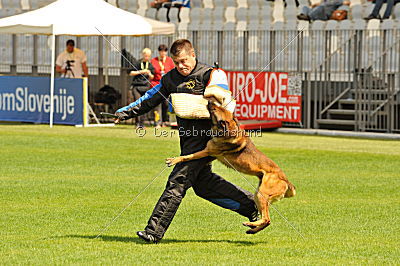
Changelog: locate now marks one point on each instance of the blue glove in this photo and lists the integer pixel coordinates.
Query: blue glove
(124, 113)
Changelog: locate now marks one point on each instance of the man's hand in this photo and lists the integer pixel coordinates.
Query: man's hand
(122, 115)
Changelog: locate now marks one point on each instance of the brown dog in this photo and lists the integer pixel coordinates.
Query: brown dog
(231, 146)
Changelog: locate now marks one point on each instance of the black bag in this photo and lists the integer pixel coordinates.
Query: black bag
(127, 59)
(108, 95)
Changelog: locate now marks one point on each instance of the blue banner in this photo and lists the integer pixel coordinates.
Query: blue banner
(27, 99)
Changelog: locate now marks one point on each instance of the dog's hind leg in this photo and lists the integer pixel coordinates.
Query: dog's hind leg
(265, 220)
(272, 188)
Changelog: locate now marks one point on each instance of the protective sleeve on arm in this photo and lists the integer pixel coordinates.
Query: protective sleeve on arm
(218, 78)
(218, 88)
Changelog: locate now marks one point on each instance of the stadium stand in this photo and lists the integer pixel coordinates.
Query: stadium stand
(229, 16)
(25, 5)
(244, 13)
(396, 12)
(219, 15)
(196, 3)
(208, 4)
(241, 35)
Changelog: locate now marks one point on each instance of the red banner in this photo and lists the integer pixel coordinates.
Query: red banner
(266, 95)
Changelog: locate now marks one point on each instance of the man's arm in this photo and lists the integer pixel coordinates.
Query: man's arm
(315, 3)
(144, 104)
(85, 69)
(59, 63)
(60, 70)
(84, 66)
(137, 72)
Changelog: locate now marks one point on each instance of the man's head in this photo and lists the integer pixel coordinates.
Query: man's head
(70, 46)
(183, 55)
(346, 2)
(146, 54)
(162, 51)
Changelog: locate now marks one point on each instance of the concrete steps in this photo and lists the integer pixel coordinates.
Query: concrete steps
(336, 122)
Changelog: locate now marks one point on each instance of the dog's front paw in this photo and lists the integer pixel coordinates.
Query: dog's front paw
(171, 161)
(249, 225)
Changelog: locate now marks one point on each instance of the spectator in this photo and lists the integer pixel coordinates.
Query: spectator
(181, 3)
(285, 2)
(162, 64)
(142, 73)
(176, 4)
(378, 5)
(158, 3)
(72, 62)
(324, 10)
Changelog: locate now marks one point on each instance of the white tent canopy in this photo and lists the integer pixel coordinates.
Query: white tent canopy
(81, 18)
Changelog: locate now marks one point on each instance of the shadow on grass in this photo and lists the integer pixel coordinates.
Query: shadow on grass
(136, 240)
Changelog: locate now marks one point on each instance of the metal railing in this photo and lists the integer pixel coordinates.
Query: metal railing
(348, 75)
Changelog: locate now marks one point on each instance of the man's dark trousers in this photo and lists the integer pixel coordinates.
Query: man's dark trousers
(206, 184)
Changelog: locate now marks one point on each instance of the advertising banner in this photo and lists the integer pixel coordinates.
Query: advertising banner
(27, 99)
(266, 95)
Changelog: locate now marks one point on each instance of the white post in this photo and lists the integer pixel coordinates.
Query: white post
(53, 59)
(106, 61)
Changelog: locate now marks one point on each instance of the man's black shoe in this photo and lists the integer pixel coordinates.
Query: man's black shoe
(373, 17)
(303, 17)
(147, 237)
(253, 218)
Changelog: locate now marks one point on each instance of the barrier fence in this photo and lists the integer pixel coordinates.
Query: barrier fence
(350, 78)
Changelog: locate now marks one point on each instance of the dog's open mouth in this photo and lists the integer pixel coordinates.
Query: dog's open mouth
(211, 110)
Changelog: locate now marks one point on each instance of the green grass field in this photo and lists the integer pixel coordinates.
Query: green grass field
(59, 187)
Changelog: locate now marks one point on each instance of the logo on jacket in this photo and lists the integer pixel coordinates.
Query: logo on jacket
(190, 84)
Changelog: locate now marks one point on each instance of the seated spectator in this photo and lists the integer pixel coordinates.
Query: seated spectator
(158, 3)
(324, 10)
(178, 4)
(285, 2)
(378, 5)
(181, 3)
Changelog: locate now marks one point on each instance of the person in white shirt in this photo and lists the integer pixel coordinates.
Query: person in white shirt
(72, 62)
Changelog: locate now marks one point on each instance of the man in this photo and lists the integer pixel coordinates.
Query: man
(158, 3)
(324, 10)
(188, 76)
(378, 5)
(142, 73)
(162, 64)
(72, 62)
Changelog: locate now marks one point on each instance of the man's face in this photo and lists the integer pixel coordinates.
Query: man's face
(185, 62)
(146, 57)
(70, 48)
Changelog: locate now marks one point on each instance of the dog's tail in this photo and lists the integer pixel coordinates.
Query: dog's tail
(291, 191)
